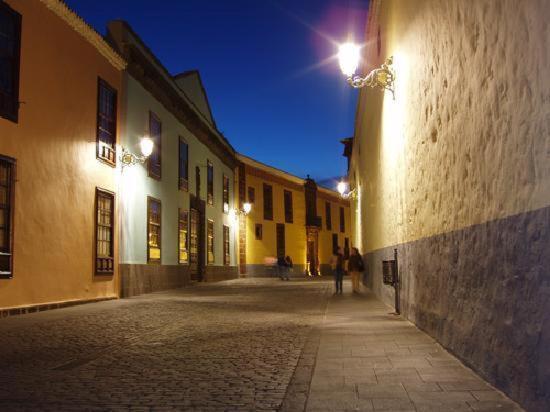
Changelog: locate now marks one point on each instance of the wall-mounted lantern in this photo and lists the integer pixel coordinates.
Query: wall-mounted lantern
(382, 77)
(128, 158)
(344, 192)
(234, 214)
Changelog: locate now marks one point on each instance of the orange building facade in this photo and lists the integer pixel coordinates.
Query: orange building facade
(59, 126)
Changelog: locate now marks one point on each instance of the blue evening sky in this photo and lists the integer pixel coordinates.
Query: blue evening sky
(261, 62)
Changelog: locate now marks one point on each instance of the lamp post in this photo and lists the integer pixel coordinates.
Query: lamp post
(382, 77)
(128, 158)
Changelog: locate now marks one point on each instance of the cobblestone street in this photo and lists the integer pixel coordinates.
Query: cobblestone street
(237, 345)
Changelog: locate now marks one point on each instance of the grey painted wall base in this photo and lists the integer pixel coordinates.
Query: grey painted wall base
(138, 279)
(484, 293)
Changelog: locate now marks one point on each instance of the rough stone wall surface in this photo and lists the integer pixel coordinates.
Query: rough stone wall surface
(484, 293)
(455, 172)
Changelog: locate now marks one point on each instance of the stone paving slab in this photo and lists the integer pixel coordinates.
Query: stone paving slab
(371, 360)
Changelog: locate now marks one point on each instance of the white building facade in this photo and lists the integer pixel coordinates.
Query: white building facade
(175, 214)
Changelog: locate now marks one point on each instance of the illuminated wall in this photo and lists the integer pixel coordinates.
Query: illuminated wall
(258, 250)
(454, 173)
(148, 89)
(54, 144)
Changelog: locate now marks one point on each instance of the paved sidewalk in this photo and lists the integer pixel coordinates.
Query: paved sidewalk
(370, 360)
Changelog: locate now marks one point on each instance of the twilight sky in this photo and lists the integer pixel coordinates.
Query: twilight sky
(265, 64)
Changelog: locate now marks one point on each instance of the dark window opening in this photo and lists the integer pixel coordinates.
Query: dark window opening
(210, 183)
(289, 216)
(251, 195)
(106, 122)
(342, 221)
(225, 194)
(183, 170)
(155, 133)
(328, 217)
(258, 231)
(268, 202)
(10, 49)
(334, 243)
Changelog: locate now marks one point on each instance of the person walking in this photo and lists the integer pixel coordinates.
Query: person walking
(337, 264)
(288, 268)
(281, 267)
(355, 267)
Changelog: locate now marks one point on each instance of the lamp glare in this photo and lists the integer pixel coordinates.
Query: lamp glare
(348, 56)
(146, 145)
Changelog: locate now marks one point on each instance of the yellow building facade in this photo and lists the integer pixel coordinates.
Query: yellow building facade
(288, 217)
(59, 127)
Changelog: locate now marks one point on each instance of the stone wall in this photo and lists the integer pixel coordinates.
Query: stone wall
(484, 293)
(138, 279)
(454, 172)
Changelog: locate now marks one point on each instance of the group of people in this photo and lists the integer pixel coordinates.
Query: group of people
(355, 267)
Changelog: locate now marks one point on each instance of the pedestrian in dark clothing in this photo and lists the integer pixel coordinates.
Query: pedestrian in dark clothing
(288, 268)
(337, 264)
(355, 267)
(281, 267)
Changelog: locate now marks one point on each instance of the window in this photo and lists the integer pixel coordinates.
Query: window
(10, 46)
(210, 241)
(225, 194)
(154, 162)
(327, 216)
(7, 197)
(342, 221)
(288, 206)
(258, 231)
(106, 122)
(153, 230)
(183, 246)
(334, 243)
(226, 256)
(210, 183)
(251, 195)
(183, 168)
(268, 202)
(105, 235)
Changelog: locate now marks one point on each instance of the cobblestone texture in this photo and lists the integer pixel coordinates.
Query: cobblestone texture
(229, 346)
(245, 345)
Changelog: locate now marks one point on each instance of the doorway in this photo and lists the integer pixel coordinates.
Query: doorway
(196, 239)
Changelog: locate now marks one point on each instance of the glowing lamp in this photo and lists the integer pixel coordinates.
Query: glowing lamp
(146, 145)
(247, 207)
(341, 188)
(128, 158)
(348, 57)
(382, 77)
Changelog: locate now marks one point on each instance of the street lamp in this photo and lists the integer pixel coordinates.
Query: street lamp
(382, 77)
(128, 158)
(234, 214)
(344, 192)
